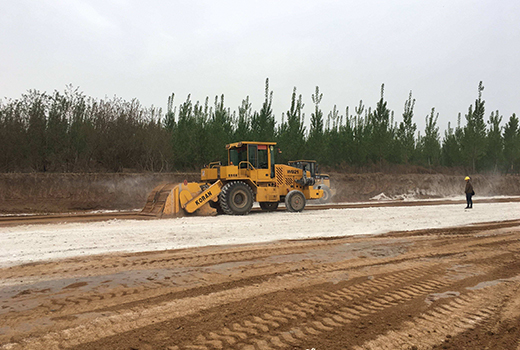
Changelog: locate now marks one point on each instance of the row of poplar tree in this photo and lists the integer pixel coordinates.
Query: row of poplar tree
(70, 132)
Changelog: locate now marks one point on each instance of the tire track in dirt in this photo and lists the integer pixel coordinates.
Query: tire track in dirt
(73, 305)
(437, 326)
(301, 317)
(128, 319)
(318, 288)
(172, 259)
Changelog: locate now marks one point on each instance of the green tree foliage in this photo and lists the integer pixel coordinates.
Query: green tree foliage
(495, 144)
(406, 132)
(474, 139)
(380, 128)
(315, 141)
(13, 130)
(332, 139)
(291, 134)
(69, 132)
(220, 130)
(263, 123)
(81, 134)
(362, 131)
(243, 123)
(36, 105)
(188, 134)
(343, 142)
(56, 131)
(512, 144)
(169, 118)
(429, 144)
(451, 145)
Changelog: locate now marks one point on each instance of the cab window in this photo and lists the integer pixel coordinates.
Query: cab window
(253, 157)
(237, 155)
(263, 161)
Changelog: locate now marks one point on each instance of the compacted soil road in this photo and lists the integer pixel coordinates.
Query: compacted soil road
(456, 288)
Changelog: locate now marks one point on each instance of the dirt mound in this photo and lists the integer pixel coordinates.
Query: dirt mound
(51, 192)
(363, 187)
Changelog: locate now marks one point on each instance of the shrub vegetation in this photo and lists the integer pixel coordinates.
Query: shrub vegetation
(70, 132)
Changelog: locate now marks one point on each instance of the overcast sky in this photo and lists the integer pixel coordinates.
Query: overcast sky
(149, 49)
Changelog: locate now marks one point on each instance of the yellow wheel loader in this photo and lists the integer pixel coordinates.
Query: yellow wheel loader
(250, 176)
(322, 181)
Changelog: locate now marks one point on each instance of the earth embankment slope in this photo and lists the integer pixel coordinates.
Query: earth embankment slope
(362, 187)
(51, 192)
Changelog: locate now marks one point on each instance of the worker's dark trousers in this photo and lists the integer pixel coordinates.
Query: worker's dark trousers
(469, 200)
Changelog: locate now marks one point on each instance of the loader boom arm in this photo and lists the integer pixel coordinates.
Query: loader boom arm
(191, 204)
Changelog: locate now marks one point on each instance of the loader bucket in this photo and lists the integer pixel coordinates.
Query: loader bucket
(174, 200)
(157, 199)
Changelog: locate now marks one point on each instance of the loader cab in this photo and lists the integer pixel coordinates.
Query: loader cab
(253, 156)
(238, 156)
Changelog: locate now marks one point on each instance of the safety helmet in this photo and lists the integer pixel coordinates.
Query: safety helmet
(467, 178)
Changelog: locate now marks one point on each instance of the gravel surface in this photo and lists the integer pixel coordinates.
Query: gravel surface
(31, 243)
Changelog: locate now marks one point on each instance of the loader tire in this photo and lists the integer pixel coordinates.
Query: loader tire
(269, 206)
(236, 198)
(327, 195)
(216, 205)
(295, 201)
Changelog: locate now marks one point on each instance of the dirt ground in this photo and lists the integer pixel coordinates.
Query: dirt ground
(449, 288)
(456, 288)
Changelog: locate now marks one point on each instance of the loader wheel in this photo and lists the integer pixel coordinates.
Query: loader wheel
(269, 206)
(295, 201)
(327, 195)
(236, 198)
(217, 207)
